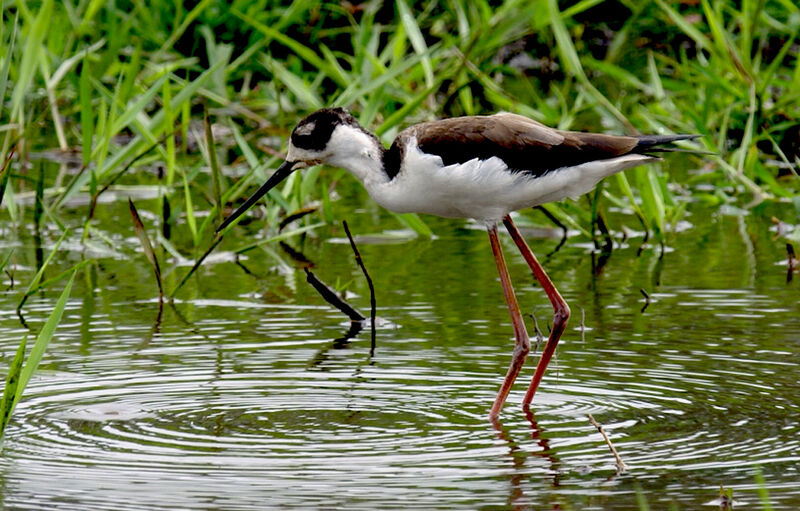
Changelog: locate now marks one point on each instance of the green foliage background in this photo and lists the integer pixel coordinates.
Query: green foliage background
(119, 89)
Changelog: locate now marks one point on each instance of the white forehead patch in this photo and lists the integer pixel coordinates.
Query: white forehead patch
(306, 129)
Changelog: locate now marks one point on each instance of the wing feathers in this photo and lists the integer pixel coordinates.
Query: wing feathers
(523, 144)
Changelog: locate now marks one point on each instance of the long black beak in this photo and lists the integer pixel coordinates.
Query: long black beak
(282, 173)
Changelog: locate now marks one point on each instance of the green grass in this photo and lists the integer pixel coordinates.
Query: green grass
(21, 369)
(722, 69)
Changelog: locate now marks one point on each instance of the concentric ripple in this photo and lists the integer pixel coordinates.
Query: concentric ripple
(239, 425)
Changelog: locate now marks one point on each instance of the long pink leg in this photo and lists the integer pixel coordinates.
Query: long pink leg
(522, 344)
(560, 308)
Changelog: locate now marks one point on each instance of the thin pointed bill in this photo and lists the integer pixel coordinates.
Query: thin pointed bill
(282, 173)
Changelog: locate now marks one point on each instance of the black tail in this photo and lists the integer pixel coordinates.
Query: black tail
(652, 143)
(654, 140)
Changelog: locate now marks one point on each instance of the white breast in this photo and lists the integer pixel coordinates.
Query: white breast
(484, 189)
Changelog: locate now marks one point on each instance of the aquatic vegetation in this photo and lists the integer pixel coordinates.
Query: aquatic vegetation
(127, 91)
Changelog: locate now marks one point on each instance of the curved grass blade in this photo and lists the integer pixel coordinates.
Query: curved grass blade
(571, 61)
(6, 259)
(138, 227)
(415, 223)
(7, 64)
(12, 383)
(417, 39)
(30, 56)
(216, 174)
(87, 120)
(42, 341)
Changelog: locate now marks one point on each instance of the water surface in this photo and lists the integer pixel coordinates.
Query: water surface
(245, 393)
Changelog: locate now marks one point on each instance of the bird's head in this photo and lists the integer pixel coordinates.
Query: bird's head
(314, 139)
(330, 135)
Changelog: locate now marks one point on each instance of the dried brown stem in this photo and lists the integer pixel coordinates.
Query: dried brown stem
(620, 464)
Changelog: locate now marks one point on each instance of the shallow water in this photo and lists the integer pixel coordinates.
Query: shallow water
(245, 394)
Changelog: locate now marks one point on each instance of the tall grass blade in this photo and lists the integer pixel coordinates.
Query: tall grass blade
(180, 29)
(169, 120)
(12, 383)
(154, 125)
(38, 206)
(417, 39)
(652, 199)
(747, 138)
(137, 107)
(6, 259)
(569, 58)
(5, 172)
(30, 58)
(302, 91)
(52, 280)
(763, 493)
(42, 341)
(407, 109)
(6, 67)
(216, 174)
(87, 119)
(357, 90)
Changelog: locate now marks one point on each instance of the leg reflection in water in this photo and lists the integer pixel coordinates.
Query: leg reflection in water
(517, 499)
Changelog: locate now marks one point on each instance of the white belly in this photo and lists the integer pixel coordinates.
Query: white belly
(485, 189)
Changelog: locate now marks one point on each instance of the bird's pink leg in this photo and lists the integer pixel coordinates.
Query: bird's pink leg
(560, 308)
(522, 344)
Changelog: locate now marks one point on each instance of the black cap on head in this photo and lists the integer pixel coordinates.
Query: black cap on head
(314, 132)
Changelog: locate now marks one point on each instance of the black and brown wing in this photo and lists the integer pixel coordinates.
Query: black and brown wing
(523, 144)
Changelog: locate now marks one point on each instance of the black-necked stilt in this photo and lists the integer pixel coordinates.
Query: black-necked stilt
(481, 167)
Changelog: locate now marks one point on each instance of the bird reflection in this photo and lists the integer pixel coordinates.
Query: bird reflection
(517, 499)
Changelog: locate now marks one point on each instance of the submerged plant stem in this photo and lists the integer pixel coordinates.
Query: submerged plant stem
(372, 303)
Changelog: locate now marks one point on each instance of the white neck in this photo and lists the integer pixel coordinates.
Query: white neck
(359, 153)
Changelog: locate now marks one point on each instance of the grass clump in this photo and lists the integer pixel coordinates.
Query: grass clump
(198, 101)
(722, 69)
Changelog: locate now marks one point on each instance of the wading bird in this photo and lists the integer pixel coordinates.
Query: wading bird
(479, 167)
